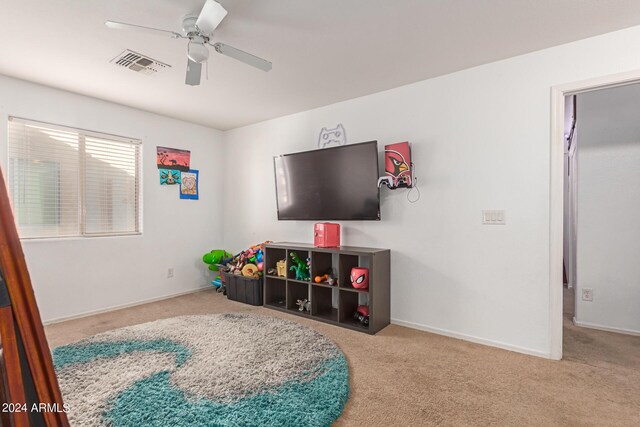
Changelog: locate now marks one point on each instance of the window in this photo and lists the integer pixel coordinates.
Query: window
(67, 182)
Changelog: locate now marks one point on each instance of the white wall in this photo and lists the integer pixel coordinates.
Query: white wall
(609, 208)
(74, 276)
(481, 140)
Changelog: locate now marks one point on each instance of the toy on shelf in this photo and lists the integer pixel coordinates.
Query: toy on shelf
(322, 278)
(328, 278)
(281, 267)
(301, 267)
(304, 305)
(272, 272)
(362, 315)
(360, 277)
(326, 235)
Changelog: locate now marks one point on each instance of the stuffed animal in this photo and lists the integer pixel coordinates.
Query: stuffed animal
(304, 305)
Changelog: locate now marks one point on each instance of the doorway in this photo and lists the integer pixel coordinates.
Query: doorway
(565, 178)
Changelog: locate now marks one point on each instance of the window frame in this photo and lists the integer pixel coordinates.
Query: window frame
(82, 177)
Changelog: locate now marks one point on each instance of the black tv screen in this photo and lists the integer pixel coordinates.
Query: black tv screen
(338, 183)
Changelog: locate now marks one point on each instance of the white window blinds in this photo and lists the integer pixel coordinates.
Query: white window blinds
(68, 182)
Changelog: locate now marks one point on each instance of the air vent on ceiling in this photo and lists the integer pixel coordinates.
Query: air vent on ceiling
(139, 63)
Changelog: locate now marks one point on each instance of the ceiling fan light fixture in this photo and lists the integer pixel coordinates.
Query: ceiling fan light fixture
(197, 51)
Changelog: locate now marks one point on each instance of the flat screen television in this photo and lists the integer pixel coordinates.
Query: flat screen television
(338, 183)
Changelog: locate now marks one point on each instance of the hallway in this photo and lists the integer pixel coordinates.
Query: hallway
(594, 347)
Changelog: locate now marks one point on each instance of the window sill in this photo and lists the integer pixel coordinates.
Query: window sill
(78, 238)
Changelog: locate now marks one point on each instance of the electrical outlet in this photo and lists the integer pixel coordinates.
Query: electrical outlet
(587, 294)
(169, 272)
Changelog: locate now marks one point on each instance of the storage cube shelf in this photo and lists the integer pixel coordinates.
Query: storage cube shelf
(275, 292)
(335, 304)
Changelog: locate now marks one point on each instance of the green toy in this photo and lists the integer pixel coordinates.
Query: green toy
(300, 267)
(215, 257)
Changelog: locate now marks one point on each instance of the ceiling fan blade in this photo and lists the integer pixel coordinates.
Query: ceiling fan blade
(194, 70)
(132, 27)
(242, 56)
(211, 15)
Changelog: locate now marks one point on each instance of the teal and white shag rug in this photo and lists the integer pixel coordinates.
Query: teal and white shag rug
(215, 370)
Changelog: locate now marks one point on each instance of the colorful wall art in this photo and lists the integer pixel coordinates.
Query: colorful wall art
(169, 177)
(173, 159)
(189, 185)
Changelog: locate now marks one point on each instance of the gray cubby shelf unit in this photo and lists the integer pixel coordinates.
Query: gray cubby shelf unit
(331, 304)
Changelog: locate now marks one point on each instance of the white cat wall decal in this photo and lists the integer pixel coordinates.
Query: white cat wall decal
(332, 137)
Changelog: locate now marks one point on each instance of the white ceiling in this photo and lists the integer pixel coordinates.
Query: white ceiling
(323, 51)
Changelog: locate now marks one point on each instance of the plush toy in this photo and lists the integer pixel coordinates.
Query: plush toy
(300, 267)
(216, 257)
(304, 304)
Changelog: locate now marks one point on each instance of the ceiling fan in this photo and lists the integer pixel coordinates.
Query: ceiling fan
(199, 30)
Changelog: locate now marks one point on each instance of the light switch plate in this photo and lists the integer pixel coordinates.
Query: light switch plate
(587, 294)
(493, 217)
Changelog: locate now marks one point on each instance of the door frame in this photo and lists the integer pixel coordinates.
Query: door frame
(556, 205)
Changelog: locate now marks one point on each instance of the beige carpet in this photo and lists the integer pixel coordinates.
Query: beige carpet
(404, 377)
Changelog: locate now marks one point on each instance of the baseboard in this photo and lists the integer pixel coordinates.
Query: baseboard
(120, 307)
(606, 328)
(471, 338)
